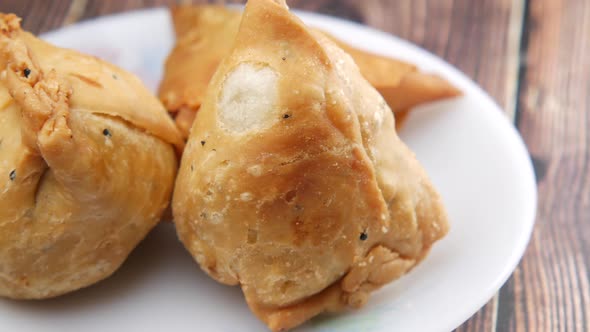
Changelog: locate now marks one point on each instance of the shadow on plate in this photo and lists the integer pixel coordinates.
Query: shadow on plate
(159, 253)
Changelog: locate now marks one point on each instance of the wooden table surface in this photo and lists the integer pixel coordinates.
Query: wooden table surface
(533, 58)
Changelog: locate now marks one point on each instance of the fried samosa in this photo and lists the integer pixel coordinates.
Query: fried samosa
(293, 183)
(205, 35)
(87, 165)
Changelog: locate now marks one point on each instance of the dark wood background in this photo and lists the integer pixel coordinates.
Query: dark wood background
(533, 58)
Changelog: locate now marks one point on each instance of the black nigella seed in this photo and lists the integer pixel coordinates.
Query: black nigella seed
(286, 116)
(12, 175)
(27, 72)
(107, 133)
(203, 143)
(364, 236)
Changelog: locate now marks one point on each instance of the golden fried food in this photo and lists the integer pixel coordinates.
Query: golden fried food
(205, 34)
(401, 84)
(87, 165)
(293, 183)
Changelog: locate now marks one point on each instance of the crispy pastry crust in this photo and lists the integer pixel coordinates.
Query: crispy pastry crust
(87, 166)
(318, 204)
(205, 35)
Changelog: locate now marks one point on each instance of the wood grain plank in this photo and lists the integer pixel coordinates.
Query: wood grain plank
(551, 287)
(38, 16)
(472, 35)
(96, 8)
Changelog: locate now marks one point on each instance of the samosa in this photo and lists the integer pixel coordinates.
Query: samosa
(293, 183)
(205, 34)
(87, 165)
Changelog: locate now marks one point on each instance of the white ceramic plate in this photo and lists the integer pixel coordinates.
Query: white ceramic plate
(473, 154)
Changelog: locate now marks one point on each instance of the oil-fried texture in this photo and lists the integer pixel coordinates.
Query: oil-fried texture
(320, 202)
(205, 35)
(87, 166)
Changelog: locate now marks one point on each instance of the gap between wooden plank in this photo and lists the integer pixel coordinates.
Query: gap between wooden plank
(518, 45)
(523, 48)
(516, 30)
(495, 302)
(514, 56)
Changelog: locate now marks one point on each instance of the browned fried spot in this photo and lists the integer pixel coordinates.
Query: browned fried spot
(252, 236)
(290, 195)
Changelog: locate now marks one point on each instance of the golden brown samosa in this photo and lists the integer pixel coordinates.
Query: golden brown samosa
(293, 183)
(205, 35)
(87, 165)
